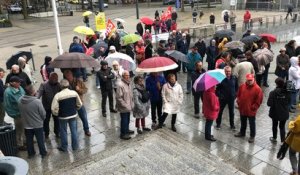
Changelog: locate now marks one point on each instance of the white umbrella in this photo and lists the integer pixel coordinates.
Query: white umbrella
(120, 20)
(124, 60)
(223, 13)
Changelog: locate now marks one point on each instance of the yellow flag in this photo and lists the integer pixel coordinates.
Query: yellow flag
(100, 21)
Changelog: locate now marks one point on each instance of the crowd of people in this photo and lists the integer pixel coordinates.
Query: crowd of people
(158, 93)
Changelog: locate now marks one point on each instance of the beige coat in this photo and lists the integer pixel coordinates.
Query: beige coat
(124, 97)
(172, 98)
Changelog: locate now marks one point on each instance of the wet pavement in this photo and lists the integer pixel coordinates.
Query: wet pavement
(105, 153)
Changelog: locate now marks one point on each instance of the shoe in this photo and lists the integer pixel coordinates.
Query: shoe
(113, 111)
(187, 92)
(218, 127)
(174, 128)
(251, 139)
(22, 148)
(130, 132)
(61, 149)
(272, 139)
(139, 131)
(146, 129)
(88, 133)
(153, 125)
(45, 155)
(31, 156)
(157, 127)
(197, 116)
(239, 135)
(103, 115)
(125, 137)
(233, 128)
(98, 87)
(266, 85)
(211, 139)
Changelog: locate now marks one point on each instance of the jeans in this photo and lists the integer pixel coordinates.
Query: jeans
(47, 121)
(64, 134)
(156, 108)
(289, 13)
(19, 131)
(197, 97)
(294, 96)
(83, 116)
(189, 81)
(266, 73)
(125, 120)
(2, 113)
(293, 160)
(247, 25)
(244, 125)
(223, 103)
(39, 135)
(208, 125)
(281, 129)
(105, 94)
(162, 119)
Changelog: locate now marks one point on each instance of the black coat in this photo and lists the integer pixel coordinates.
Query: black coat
(254, 64)
(201, 47)
(148, 51)
(174, 16)
(140, 29)
(227, 89)
(290, 51)
(279, 104)
(25, 81)
(106, 83)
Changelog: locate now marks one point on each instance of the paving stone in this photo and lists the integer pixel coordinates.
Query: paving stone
(265, 169)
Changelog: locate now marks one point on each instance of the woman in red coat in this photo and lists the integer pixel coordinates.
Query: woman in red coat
(210, 110)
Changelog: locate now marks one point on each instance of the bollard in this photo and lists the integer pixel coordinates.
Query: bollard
(205, 32)
(280, 20)
(274, 21)
(267, 22)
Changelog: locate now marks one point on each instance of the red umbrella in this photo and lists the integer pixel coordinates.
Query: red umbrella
(270, 37)
(156, 64)
(147, 20)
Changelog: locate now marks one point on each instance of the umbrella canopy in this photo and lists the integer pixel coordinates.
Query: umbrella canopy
(14, 58)
(130, 39)
(84, 30)
(99, 48)
(250, 39)
(87, 13)
(124, 60)
(223, 13)
(270, 37)
(224, 33)
(74, 60)
(263, 56)
(235, 52)
(120, 20)
(147, 20)
(121, 33)
(209, 79)
(234, 44)
(156, 64)
(177, 55)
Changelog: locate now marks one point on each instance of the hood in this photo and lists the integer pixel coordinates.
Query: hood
(27, 99)
(294, 61)
(280, 91)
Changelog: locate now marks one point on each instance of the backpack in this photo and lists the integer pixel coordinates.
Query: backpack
(145, 95)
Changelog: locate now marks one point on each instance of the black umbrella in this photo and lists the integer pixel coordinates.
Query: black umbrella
(224, 33)
(250, 39)
(97, 51)
(177, 55)
(14, 58)
(283, 149)
(236, 52)
(74, 60)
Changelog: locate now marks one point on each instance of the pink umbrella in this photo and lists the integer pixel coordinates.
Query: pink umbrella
(156, 64)
(209, 79)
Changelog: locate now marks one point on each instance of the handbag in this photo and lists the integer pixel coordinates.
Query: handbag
(290, 86)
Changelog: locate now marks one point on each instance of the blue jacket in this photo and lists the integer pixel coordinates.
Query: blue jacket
(227, 89)
(11, 98)
(76, 47)
(193, 58)
(155, 94)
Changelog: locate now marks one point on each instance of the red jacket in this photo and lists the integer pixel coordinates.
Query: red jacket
(247, 16)
(249, 99)
(211, 104)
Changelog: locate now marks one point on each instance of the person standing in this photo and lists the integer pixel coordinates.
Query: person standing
(117, 70)
(86, 21)
(247, 18)
(282, 64)
(249, 99)
(2, 89)
(294, 77)
(193, 57)
(139, 28)
(78, 86)
(211, 54)
(278, 102)
(33, 115)
(45, 70)
(65, 105)
(212, 18)
(197, 95)
(16, 71)
(226, 92)
(182, 46)
(174, 15)
(201, 47)
(154, 84)
(291, 48)
(47, 91)
(243, 68)
(156, 14)
(223, 61)
(194, 15)
(172, 96)
(141, 104)
(289, 11)
(12, 94)
(226, 19)
(76, 46)
(125, 104)
(156, 25)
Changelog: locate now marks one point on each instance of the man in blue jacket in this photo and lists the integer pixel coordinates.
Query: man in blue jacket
(193, 57)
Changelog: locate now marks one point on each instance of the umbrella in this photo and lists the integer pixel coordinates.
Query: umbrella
(131, 38)
(97, 48)
(14, 58)
(156, 64)
(120, 20)
(177, 55)
(270, 37)
(74, 60)
(224, 33)
(234, 44)
(250, 39)
(84, 30)
(124, 60)
(121, 33)
(223, 13)
(87, 13)
(235, 52)
(263, 56)
(209, 79)
(147, 20)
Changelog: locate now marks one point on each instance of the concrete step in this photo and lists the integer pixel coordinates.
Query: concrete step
(159, 152)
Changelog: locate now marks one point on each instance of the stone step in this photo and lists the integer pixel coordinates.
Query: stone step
(160, 152)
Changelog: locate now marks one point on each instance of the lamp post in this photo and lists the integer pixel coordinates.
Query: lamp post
(137, 9)
(58, 39)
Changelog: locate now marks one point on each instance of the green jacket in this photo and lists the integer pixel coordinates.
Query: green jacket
(11, 98)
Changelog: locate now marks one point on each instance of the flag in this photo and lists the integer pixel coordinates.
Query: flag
(167, 14)
(110, 28)
(100, 21)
